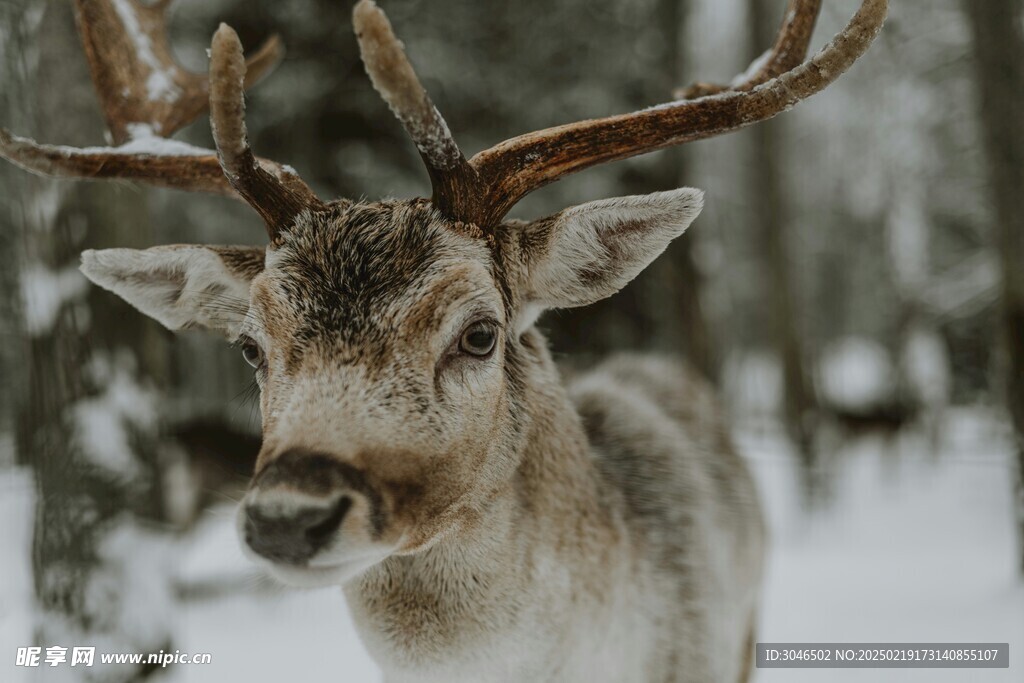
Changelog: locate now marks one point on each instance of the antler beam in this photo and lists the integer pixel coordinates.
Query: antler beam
(518, 166)
(145, 96)
(200, 172)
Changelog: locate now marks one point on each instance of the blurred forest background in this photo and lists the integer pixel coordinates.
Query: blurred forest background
(858, 271)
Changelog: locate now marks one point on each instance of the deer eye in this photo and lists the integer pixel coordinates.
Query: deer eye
(478, 339)
(252, 353)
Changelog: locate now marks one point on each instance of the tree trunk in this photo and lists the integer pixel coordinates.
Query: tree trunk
(675, 282)
(770, 225)
(661, 310)
(89, 421)
(999, 58)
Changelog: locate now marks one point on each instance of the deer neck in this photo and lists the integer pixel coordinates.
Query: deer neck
(537, 539)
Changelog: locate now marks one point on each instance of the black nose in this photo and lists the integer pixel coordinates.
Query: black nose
(292, 533)
(298, 502)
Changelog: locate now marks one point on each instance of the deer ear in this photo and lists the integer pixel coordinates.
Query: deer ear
(589, 252)
(181, 286)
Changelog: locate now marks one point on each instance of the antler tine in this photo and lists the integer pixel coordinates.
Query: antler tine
(789, 52)
(395, 80)
(276, 200)
(516, 167)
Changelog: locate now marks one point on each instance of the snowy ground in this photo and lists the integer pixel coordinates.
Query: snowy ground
(914, 549)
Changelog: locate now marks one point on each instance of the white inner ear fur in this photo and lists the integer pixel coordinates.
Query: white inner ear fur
(179, 286)
(596, 248)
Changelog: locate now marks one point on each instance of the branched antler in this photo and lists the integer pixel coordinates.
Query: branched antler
(484, 189)
(146, 96)
(137, 79)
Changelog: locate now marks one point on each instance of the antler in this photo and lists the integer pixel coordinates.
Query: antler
(484, 188)
(146, 96)
(279, 202)
(136, 77)
(394, 78)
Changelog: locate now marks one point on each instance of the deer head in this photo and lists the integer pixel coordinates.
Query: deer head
(391, 340)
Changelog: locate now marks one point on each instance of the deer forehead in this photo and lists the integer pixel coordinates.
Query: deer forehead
(367, 276)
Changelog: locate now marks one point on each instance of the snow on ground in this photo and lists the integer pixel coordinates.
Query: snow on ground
(915, 548)
(285, 636)
(271, 634)
(15, 566)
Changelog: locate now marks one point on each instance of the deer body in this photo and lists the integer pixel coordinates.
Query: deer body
(637, 555)
(419, 448)
(490, 525)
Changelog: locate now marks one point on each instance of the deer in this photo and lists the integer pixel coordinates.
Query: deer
(484, 520)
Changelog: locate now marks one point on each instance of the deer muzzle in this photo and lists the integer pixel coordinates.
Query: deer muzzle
(298, 505)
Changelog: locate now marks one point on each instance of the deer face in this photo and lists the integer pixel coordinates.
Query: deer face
(386, 341)
(378, 335)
